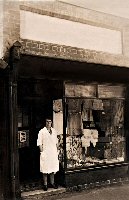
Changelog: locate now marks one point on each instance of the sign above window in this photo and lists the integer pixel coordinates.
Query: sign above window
(110, 91)
(80, 90)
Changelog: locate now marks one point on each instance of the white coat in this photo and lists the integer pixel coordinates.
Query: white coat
(49, 156)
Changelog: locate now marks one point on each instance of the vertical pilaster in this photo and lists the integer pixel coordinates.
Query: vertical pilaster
(14, 156)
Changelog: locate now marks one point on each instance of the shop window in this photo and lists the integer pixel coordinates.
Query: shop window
(95, 131)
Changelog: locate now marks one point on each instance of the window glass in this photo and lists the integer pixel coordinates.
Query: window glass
(95, 131)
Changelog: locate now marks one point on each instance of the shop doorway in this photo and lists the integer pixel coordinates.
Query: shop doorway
(35, 103)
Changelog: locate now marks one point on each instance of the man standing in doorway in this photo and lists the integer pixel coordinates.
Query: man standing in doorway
(49, 163)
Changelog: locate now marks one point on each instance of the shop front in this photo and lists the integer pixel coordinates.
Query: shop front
(95, 133)
(89, 112)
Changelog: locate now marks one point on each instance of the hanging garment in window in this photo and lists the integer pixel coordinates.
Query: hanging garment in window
(74, 105)
(74, 124)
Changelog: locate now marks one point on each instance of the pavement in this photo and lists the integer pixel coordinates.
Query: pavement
(113, 192)
(107, 193)
(41, 194)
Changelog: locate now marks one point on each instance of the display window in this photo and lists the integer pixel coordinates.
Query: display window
(95, 126)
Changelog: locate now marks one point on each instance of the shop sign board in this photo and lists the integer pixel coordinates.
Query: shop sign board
(80, 90)
(109, 91)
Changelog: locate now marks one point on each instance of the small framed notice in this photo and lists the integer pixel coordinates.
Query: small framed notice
(109, 91)
(23, 138)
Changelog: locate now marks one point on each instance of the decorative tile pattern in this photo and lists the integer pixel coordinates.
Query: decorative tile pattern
(37, 48)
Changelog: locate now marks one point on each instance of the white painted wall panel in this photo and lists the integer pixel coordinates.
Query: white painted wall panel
(64, 32)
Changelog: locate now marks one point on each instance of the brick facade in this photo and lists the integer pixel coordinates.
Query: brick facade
(11, 28)
(30, 47)
(126, 41)
(11, 31)
(1, 29)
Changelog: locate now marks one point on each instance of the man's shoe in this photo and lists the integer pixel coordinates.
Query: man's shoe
(45, 187)
(54, 186)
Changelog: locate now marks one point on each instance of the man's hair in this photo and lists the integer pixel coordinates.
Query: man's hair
(48, 118)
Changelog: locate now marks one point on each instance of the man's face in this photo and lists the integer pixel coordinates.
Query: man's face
(48, 123)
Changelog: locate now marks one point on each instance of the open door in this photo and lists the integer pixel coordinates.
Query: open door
(36, 102)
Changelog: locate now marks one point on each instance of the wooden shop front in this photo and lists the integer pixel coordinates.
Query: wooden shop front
(89, 111)
(89, 107)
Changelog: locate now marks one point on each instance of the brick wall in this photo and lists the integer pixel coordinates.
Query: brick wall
(70, 12)
(1, 29)
(67, 11)
(31, 47)
(126, 41)
(57, 9)
(11, 27)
